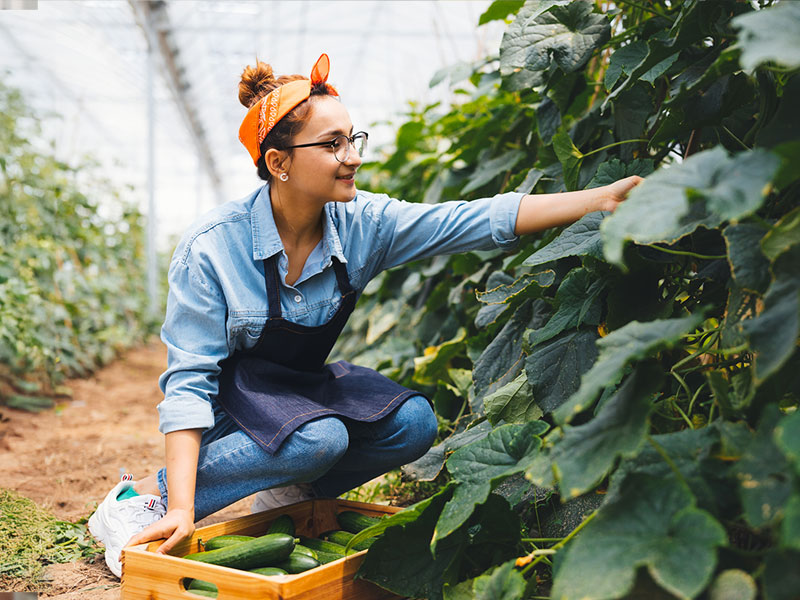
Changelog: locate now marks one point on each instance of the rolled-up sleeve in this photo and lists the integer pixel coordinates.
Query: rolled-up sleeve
(411, 231)
(195, 334)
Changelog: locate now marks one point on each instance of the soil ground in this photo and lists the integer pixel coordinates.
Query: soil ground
(68, 458)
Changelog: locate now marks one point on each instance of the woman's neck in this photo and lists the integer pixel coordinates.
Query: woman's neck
(299, 222)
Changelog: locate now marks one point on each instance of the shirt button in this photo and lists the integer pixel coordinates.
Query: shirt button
(298, 298)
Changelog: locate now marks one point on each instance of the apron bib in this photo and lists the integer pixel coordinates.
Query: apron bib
(283, 382)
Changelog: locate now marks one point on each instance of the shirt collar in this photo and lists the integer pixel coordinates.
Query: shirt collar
(267, 242)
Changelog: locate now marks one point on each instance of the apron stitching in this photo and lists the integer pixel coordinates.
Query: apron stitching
(388, 405)
(311, 412)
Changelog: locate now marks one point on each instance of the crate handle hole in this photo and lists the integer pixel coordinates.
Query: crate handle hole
(198, 587)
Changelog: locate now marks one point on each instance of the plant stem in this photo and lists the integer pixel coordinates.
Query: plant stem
(687, 253)
(730, 133)
(668, 460)
(652, 11)
(559, 545)
(541, 540)
(596, 150)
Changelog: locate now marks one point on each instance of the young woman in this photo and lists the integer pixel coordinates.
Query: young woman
(259, 291)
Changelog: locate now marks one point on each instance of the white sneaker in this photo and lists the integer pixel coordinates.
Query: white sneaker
(117, 521)
(282, 496)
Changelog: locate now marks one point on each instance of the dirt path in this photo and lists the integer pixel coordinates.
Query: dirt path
(68, 458)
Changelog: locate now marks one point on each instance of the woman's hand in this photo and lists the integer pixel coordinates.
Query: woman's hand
(618, 191)
(176, 525)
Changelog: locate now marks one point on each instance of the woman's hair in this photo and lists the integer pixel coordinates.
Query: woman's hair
(259, 81)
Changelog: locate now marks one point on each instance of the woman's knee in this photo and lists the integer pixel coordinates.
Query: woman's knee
(419, 425)
(320, 443)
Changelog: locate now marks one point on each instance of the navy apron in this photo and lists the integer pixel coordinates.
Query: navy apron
(283, 382)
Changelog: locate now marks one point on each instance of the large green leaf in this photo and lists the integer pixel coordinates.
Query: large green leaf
(512, 403)
(772, 34)
(701, 456)
(781, 575)
(708, 188)
(554, 368)
(401, 560)
(787, 437)
(587, 452)
(783, 235)
(429, 366)
(582, 238)
(624, 60)
(763, 485)
(577, 300)
(500, 9)
(614, 170)
(749, 265)
(491, 168)
(506, 292)
(774, 333)
(790, 527)
(550, 33)
(653, 524)
(503, 583)
(479, 467)
(635, 341)
(502, 360)
(428, 466)
(569, 157)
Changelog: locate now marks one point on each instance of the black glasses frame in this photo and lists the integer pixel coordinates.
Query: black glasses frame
(332, 143)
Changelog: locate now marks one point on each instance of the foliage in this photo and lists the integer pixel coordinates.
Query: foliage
(650, 355)
(31, 538)
(71, 265)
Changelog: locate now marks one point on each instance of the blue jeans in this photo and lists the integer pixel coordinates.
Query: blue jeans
(333, 454)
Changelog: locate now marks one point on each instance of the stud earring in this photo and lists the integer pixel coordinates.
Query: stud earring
(284, 177)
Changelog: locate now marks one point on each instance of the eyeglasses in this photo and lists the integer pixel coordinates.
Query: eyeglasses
(341, 145)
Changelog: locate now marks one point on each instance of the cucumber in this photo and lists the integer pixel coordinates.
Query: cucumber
(268, 571)
(322, 545)
(199, 584)
(297, 563)
(326, 557)
(304, 550)
(223, 541)
(353, 521)
(261, 552)
(343, 537)
(283, 524)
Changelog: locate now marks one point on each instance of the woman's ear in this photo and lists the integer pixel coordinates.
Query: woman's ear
(277, 161)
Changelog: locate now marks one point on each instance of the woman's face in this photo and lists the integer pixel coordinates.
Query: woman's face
(314, 171)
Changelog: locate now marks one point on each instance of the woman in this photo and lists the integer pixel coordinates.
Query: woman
(259, 291)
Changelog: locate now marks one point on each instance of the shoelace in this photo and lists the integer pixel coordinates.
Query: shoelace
(144, 513)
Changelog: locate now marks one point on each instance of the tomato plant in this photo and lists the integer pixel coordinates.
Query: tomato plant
(71, 265)
(617, 398)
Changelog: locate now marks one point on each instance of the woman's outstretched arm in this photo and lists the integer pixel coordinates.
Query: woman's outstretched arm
(542, 211)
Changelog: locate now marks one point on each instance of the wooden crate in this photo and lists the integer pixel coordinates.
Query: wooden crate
(148, 575)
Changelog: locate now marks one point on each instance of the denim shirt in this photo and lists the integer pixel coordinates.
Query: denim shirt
(217, 300)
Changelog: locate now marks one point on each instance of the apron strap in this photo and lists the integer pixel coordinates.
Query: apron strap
(342, 278)
(272, 282)
(273, 286)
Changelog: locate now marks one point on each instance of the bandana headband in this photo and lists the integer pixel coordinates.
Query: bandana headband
(266, 113)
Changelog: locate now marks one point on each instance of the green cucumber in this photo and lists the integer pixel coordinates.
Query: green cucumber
(223, 541)
(353, 521)
(322, 545)
(305, 550)
(344, 537)
(326, 557)
(199, 584)
(261, 552)
(298, 562)
(269, 571)
(283, 524)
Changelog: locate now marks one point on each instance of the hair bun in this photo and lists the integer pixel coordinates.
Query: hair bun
(256, 83)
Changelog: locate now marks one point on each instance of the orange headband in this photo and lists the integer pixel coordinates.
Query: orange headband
(265, 113)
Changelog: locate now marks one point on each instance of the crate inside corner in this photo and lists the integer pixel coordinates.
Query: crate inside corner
(148, 575)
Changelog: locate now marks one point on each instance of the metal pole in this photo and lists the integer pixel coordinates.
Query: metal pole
(152, 217)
